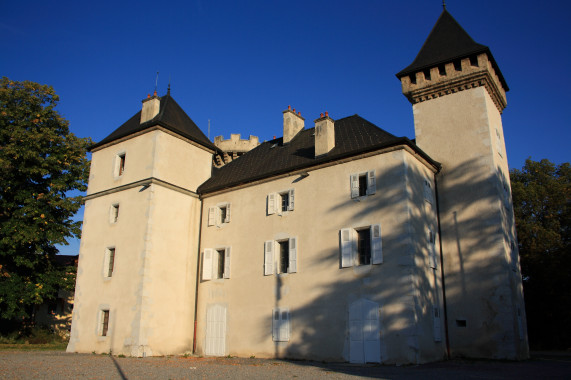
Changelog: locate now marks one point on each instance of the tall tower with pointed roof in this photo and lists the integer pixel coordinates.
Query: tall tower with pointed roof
(136, 283)
(458, 94)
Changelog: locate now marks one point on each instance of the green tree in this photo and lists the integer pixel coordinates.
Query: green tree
(41, 164)
(541, 195)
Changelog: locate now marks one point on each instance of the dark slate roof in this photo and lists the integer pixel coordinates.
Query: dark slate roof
(353, 135)
(446, 42)
(171, 116)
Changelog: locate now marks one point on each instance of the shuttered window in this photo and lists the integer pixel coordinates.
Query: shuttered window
(280, 325)
(362, 246)
(282, 254)
(216, 263)
(280, 202)
(219, 214)
(432, 258)
(428, 195)
(436, 324)
(363, 184)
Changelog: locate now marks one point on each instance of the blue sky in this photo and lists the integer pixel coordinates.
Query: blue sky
(239, 64)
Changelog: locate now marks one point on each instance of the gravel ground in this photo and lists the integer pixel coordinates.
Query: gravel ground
(60, 365)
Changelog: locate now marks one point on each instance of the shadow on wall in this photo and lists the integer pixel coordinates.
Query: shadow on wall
(473, 281)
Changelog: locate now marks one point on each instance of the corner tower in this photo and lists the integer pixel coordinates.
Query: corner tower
(136, 280)
(458, 95)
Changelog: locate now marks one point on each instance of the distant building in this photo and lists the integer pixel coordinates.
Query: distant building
(56, 314)
(339, 242)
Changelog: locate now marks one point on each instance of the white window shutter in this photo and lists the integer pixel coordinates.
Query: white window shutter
(211, 216)
(269, 257)
(275, 324)
(354, 185)
(436, 319)
(284, 325)
(346, 248)
(207, 264)
(376, 244)
(432, 249)
(227, 220)
(371, 183)
(227, 262)
(428, 191)
(271, 203)
(291, 196)
(292, 268)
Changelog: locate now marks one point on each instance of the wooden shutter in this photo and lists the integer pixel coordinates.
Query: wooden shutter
(376, 244)
(227, 262)
(207, 264)
(346, 248)
(291, 196)
(436, 320)
(371, 183)
(354, 185)
(432, 249)
(211, 216)
(284, 325)
(227, 220)
(269, 257)
(428, 191)
(292, 267)
(275, 324)
(272, 203)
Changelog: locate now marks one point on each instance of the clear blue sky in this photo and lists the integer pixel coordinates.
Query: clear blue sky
(239, 64)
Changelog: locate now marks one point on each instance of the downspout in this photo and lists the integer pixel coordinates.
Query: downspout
(441, 267)
(197, 276)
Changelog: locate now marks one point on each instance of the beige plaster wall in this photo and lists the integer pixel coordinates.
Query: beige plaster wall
(458, 130)
(319, 294)
(153, 154)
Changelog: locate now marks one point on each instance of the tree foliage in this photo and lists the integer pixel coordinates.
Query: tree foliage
(541, 196)
(41, 163)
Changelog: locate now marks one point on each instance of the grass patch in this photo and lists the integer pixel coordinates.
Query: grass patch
(32, 339)
(33, 347)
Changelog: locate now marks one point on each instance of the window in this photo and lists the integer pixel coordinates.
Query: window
(109, 261)
(219, 214)
(281, 202)
(120, 164)
(498, 142)
(287, 256)
(364, 247)
(361, 246)
(428, 195)
(114, 213)
(363, 184)
(280, 324)
(432, 259)
(216, 263)
(104, 322)
(436, 324)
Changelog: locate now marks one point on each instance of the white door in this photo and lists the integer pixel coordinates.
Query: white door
(364, 340)
(216, 330)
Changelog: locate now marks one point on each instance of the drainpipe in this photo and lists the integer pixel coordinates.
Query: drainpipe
(442, 267)
(197, 275)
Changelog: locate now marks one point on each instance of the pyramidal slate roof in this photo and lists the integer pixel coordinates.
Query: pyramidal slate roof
(447, 42)
(171, 116)
(353, 135)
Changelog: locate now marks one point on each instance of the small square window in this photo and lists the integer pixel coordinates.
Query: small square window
(363, 184)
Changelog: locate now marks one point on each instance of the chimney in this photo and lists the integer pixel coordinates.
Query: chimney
(151, 107)
(324, 135)
(293, 123)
